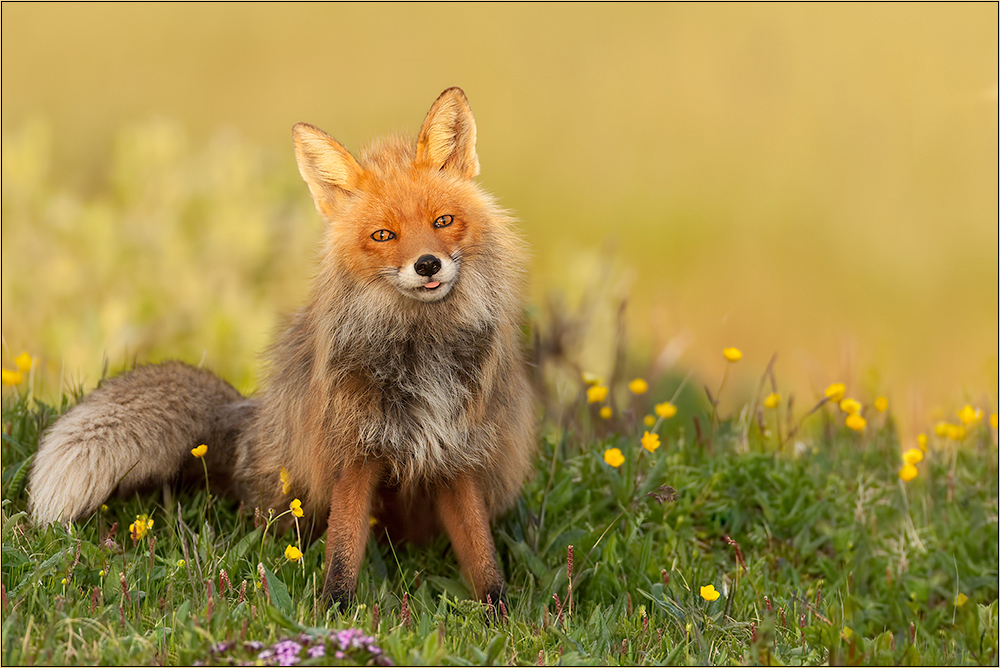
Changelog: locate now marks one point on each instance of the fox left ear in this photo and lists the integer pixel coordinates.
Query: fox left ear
(447, 138)
(328, 168)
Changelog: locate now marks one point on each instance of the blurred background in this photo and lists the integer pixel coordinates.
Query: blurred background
(818, 181)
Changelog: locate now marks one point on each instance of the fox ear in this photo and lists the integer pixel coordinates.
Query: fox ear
(447, 138)
(327, 167)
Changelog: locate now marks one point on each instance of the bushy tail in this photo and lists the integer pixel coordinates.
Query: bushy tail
(137, 430)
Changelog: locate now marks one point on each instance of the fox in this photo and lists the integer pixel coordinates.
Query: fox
(399, 392)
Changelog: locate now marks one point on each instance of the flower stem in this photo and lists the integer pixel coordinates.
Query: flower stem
(718, 394)
(208, 489)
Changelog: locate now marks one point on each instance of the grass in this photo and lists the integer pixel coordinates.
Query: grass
(820, 553)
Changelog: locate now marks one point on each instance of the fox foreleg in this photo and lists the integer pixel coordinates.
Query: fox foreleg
(462, 509)
(347, 530)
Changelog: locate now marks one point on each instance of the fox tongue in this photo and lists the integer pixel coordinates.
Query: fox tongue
(432, 285)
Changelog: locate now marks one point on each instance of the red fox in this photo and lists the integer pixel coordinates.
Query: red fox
(400, 392)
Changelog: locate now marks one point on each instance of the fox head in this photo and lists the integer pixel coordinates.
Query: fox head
(404, 213)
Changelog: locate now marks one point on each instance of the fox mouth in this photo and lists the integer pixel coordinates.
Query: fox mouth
(431, 291)
(434, 290)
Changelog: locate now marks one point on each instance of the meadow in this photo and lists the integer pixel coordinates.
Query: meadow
(655, 529)
(814, 180)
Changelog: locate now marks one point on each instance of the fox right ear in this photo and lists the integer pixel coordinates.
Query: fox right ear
(447, 139)
(327, 167)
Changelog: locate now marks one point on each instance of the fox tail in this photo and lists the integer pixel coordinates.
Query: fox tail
(137, 430)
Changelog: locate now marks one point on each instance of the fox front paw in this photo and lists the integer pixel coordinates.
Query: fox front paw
(496, 603)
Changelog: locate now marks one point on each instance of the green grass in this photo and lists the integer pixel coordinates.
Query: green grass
(843, 561)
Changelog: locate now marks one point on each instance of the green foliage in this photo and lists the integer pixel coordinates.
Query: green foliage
(843, 561)
(179, 251)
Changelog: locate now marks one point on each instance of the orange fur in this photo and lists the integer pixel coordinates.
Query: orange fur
(347, 528)
(467, 521)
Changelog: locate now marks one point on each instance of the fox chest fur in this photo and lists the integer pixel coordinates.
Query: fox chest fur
(428, 392)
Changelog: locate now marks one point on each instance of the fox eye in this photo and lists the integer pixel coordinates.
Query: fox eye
(444, 221)
(383, 235)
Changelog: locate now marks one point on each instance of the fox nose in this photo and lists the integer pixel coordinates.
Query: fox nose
(427, 265)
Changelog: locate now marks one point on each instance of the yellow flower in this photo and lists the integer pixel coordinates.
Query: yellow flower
(649, 420)
(855, 422)
(913, 456)
(908, 472)
(614, 457)
(141, 525)
(881, 404)
(638, 386)
(836, 391)
(708, 593)
(850, 406)
(296, 508)
(941, 428)
(961, 599)
(102, 573)
(772, 400)
(23, 362)
(732, 354)
(372, 521)
(651, 441)
(293, 553)
(666, 410)
(200, 450)
(11, 377)
(591, 378)
(180, 563)
(993, 421)
(597, 393)
(846, 633)
(955, 432)
(922, 441)
(65, 581)
(286, 480)
(605, 412)
(967, 415)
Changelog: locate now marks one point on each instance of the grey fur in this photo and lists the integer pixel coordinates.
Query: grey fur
(135, 431)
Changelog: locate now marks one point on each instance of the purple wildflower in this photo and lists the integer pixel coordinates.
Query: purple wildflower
(288, 652)
(345, 637)
(354, 639)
